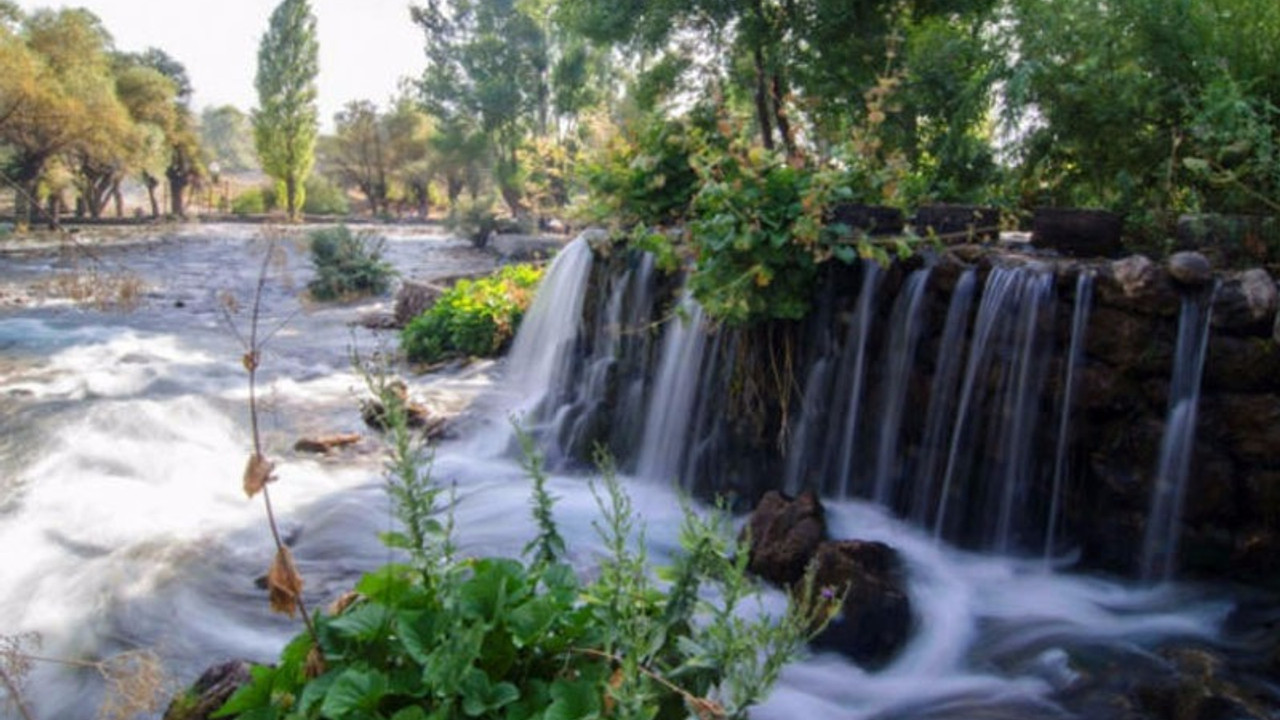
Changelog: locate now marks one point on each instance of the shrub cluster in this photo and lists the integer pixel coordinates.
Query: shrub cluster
(474, 317)
(347, 264)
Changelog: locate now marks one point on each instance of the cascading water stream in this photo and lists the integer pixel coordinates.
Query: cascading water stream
(1002, 287)
(941, 400)
(1023, 382)
(1160, 542)
(906, 324)
(673, 400)
(1079, 328)
(856, 351)
(540, 358)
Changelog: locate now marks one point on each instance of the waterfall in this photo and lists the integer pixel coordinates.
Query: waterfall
(905, 326)
(942, 399)
(1160, 544)
(1079, 327)
(856, 353)
(1007, 341)
(675, 392)
(541, 355)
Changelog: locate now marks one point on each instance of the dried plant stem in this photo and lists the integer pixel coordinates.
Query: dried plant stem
(252, 359)
(14, 695)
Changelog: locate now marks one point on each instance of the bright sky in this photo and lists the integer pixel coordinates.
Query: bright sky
(366, 46)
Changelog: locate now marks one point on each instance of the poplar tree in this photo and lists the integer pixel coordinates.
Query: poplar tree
(286, 122)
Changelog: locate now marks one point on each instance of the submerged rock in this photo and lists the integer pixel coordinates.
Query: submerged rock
(785, 533)
(325, 444)
(875, 621)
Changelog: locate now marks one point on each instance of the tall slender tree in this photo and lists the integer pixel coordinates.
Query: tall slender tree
(286, 123)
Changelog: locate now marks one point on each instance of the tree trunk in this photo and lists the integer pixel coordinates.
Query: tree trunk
(118, 197)
(763, 114)
(291, 197)
(762, 99)
(780, 114)
(151, 184)
(178, 183)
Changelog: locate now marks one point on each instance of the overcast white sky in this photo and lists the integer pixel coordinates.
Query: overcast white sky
(366, 46)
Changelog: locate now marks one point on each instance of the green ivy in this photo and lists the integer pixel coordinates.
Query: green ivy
(474, 317)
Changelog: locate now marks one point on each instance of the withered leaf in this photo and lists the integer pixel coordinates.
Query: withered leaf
(284, 584)
(250, 361)
(315, 665)
(257, 474)
(346, 600)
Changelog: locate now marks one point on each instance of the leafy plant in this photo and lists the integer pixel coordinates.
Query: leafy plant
(760, 228)
(511, 639)
(474, 220)
(324, 197)
(347, 264)
(474, 317)
(250, 202)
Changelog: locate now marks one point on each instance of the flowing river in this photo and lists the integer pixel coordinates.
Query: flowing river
(124, 526)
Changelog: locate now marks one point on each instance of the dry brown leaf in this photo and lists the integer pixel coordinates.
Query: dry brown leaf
(346, 600)
(257, 474)
(315, 665)
(250, 361)
(615, 682)
(284, 584)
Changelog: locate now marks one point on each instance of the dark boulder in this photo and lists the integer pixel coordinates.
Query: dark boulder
(875, 621)
(210, 691)
(784, 534)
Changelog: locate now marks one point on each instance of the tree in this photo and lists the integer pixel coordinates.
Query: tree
(487, 67)
(226, 134)
(286, 122)
(61, 92)
(360, 152)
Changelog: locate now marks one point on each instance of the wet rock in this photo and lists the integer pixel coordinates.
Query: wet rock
(1128, 341)
(1247, 302)
(1190, 268)
(1198, 686)
(374, 413)
(210, 691)
(875, 621)
(1137, 283)
(1236, 364)
(784, 534)
(1249, 425)
(413, 298)
(325, 444)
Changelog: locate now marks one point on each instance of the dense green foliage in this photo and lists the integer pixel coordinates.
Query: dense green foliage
(1149, 106)
(474, 317)
(347, 264)
(78, 116)
(286, 124)
(447, 637)
(324, 197)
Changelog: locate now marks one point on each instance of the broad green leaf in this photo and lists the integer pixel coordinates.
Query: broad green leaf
(367, 622)
(574, 700)
(355, 691)
(480, 696)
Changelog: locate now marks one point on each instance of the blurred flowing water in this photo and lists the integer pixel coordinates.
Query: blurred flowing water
(124, 526)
